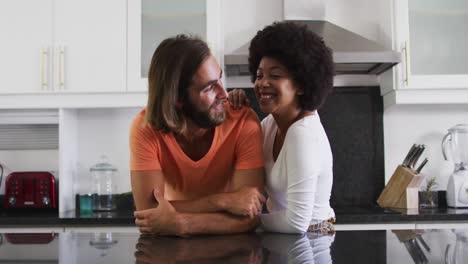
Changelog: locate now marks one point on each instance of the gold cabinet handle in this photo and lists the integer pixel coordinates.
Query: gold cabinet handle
(61, 68)
(44, 67)
(405, 49)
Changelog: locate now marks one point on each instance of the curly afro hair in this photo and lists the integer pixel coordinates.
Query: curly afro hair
(303, 53)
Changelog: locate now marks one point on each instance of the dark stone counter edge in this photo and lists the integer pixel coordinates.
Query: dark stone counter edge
(357, 219)
(128, 220)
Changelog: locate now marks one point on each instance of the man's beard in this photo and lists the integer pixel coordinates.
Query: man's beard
(204, 118)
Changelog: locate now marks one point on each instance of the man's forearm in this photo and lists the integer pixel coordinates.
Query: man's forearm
(214, 223)
(209, 204)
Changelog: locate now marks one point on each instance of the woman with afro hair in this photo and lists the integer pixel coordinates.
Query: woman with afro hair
(292, 71)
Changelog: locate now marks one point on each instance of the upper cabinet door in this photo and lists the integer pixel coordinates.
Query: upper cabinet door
(26, 28)
(90, 45)
(151, 21)
(433, 38)
(63, 46)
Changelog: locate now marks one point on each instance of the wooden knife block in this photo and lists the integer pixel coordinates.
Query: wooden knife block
(402, 189)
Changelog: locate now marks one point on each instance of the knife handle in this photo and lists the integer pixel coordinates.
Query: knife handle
(409, 155)
(421, 166)
(418, 154)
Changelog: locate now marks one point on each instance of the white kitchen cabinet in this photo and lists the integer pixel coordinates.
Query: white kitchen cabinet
(432, 37)
(151, 21)
(60, 46)
(90, 45)
(26, 32)
(432, 34)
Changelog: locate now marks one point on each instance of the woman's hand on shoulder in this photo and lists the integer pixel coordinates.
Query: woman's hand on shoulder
(237, 98)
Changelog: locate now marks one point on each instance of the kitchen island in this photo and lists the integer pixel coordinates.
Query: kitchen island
(381, 246)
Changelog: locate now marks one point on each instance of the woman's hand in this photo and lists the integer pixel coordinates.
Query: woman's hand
(237, 98)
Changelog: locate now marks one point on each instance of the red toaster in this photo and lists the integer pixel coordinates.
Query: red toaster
(30, 190)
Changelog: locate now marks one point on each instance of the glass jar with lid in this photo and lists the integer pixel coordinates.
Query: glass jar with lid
(103, 174)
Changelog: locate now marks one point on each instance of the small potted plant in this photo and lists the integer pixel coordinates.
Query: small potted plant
(429, 196)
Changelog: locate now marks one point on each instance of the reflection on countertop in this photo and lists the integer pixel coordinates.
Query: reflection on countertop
(385, 246)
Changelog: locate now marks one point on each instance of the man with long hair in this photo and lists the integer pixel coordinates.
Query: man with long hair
(196, 164)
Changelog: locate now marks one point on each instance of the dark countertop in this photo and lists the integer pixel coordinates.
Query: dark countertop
(383, 246)
(348, 215)
(68, 218)
(376, 215)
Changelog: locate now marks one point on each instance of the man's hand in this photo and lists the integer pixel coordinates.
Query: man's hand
(247, 201)
(160, 220)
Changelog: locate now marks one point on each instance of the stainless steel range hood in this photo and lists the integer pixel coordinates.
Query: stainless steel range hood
(352, 53)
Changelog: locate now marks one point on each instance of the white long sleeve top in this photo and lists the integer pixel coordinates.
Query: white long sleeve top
(299, 182)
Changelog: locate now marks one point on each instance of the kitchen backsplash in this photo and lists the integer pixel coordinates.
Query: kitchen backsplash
(353, 120)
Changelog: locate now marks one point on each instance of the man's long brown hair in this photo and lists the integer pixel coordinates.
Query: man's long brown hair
(172, 68)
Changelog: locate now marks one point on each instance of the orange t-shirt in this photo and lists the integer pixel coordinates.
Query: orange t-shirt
(237, 144)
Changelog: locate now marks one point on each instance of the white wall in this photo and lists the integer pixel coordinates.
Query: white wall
(104, 132)
(243, 18)
(405, 125)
